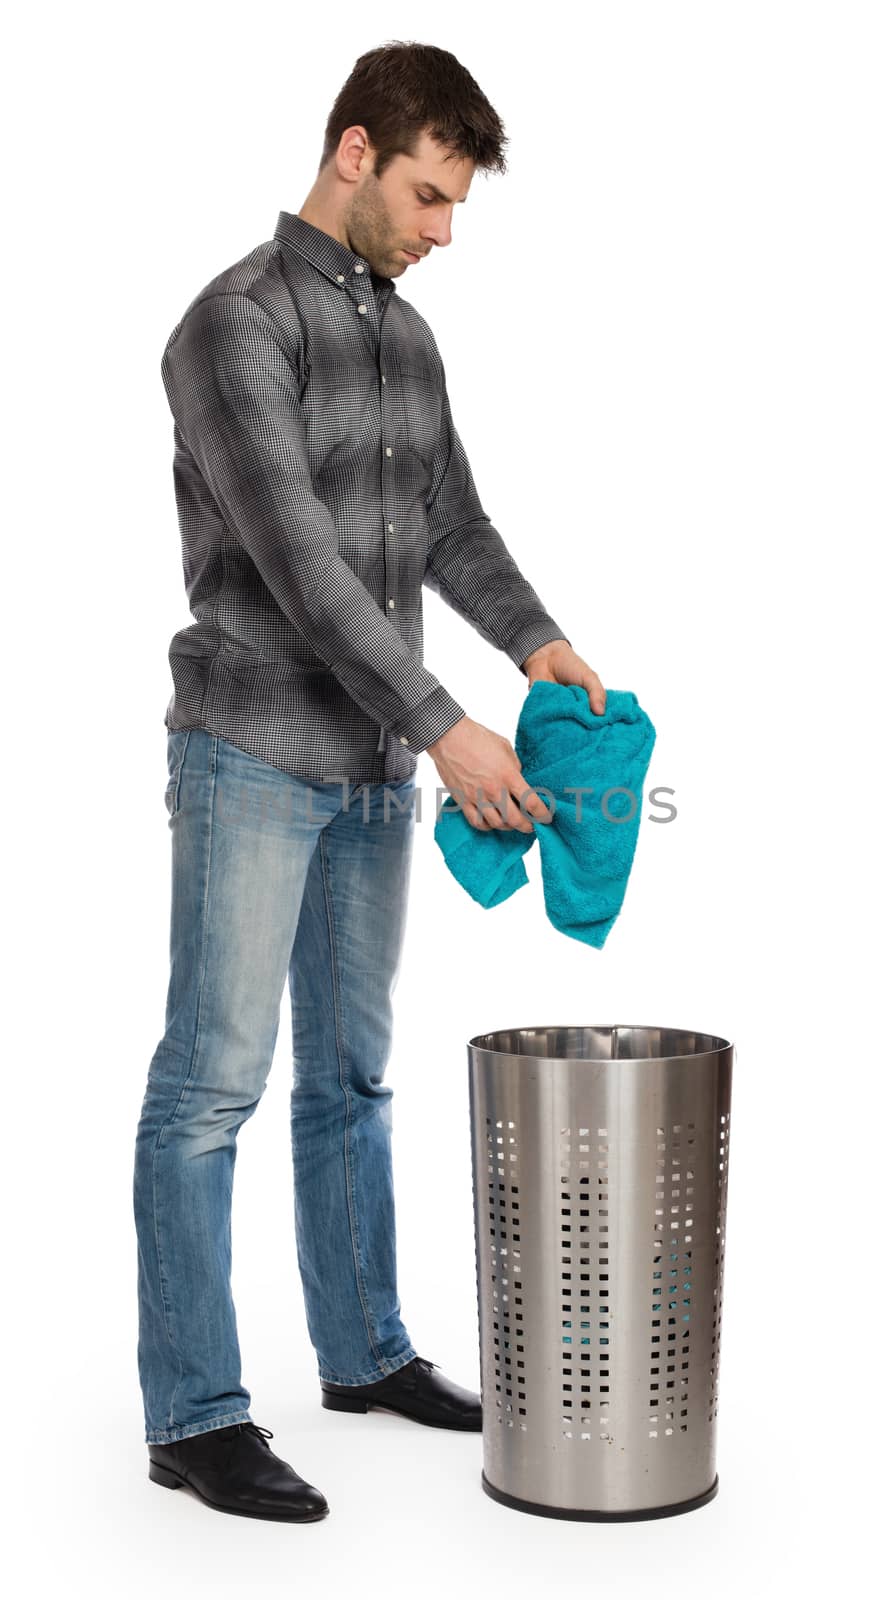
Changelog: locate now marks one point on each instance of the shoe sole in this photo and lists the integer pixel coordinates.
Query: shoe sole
(172, 1480)
(343, 1402)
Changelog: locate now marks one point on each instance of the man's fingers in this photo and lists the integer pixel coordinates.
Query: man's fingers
(513, 806)
(517, 819)
(484, 816)
(596, 693)
(533, 805)
(500, 810)
(475, 819)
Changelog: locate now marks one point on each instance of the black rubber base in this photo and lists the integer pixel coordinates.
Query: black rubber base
(642, 1515)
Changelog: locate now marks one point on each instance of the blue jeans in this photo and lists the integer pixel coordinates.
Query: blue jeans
(271, 875)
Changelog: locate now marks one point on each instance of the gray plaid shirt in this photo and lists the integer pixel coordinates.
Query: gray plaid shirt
(320, 482)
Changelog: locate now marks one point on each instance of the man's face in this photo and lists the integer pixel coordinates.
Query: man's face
(409, 208)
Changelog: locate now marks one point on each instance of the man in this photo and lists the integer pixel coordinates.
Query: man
(320, 482)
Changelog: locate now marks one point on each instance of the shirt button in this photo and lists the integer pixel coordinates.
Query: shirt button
(340, 278)
(358, 269)
(390, 605)
(403, 739)
(390, 527)
(362, 310)
(383, 378)
(387, 450)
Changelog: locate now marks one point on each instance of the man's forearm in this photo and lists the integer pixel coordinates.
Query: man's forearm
(468, 563)
(472, 569)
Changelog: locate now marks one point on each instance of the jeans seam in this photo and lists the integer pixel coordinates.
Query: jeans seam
(191, 1430)
(339, 1036)
(175, 783)
(402, 1359)
(194, 1054)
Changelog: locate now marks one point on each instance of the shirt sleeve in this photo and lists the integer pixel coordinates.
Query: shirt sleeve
(468, 563)
(234, 394)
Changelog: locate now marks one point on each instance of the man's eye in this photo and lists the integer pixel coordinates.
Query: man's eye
(426, 199)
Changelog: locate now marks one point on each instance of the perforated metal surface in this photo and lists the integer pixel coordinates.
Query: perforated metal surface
(600, 1164)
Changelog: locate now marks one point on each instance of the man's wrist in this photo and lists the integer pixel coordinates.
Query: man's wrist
(540, 649)
(440, 737)
(428, 721)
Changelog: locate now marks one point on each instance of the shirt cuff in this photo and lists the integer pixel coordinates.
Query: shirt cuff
(428, 721)
(531, 637)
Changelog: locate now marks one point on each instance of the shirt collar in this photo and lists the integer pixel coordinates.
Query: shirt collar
(327, 254)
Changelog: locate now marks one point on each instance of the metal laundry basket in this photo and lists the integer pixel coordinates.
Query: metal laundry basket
(600, 1164)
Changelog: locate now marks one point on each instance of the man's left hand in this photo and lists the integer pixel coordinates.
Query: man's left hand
(557, 662)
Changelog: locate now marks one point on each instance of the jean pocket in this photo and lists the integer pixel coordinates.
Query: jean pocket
(176, 745)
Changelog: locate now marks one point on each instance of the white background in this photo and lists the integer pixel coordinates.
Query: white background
(663, 331)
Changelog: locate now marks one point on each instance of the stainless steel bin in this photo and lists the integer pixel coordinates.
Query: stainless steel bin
(600, 1166)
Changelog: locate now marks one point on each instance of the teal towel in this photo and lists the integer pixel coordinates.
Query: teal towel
(586, 858)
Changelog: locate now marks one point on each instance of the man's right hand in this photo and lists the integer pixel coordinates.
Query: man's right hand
(477, 765)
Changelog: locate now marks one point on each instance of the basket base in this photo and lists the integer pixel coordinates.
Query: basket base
(641, 1515)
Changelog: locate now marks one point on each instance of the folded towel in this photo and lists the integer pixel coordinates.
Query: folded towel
(586, 853)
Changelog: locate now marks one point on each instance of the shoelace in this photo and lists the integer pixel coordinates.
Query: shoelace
(253, 1427)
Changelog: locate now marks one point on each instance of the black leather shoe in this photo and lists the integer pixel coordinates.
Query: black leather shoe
(413, 1391)
(234, 1469)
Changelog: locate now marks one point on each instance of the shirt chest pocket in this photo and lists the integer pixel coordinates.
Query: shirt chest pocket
(423, 406)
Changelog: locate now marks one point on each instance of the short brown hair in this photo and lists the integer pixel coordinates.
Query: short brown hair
(403, 89)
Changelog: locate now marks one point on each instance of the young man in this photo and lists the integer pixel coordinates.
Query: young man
(320, 482)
